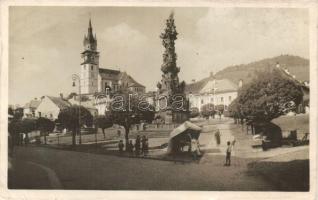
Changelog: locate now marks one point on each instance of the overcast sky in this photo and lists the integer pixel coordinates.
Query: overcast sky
(46, 42)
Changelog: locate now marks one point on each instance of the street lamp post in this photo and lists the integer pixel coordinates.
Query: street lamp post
(74, 78)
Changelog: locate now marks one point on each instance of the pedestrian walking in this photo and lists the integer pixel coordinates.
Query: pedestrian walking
(121, 146)
(137, 145)
(143, 143)
(217, 136)
(194, 149)
(146, 148)
(130, 148)
(228, 153)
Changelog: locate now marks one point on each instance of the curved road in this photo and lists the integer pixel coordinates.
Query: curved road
(76, 170)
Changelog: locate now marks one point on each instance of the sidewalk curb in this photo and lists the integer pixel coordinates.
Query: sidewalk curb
(53, 179)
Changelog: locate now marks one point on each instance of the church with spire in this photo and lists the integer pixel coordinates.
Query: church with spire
(95, 79)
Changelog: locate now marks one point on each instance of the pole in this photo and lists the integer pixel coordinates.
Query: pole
(79, 110)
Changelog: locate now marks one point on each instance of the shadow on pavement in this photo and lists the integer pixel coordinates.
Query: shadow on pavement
(287, 176)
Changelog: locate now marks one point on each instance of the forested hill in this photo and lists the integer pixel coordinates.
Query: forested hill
(296, 65)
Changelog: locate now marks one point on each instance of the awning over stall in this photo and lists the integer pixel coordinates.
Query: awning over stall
(182, 135)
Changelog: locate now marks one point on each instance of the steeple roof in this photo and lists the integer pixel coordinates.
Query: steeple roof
(90, 37)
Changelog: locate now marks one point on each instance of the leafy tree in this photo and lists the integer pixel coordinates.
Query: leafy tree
(208, 110)
(234, 110)
(194, 112)
(45, 126)
(10, 111)
(17, 113)
(70, 119)
(103, 122)
(127, 109)
(17, 126)
(14, 128)
(220, 108)
(269, 96)
(26, 126)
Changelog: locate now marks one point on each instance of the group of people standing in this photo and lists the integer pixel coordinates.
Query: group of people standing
(139, 148)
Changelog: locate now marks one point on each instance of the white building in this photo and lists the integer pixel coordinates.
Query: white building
(30, 107)
(219, 92)
(50, 107)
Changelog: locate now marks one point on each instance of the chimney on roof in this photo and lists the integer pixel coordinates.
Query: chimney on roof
(61, 95)
(193, 80)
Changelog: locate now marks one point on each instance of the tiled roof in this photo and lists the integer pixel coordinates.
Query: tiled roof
(133, 83)
(196, 86)
(221, 85)
(118, 75)
(108, 71)
(61, 103)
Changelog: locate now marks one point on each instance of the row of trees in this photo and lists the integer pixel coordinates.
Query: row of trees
(207, 110)
(124, 111)
(270, 95)
(26, 126)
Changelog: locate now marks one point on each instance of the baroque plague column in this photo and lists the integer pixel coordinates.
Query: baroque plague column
(173, 106)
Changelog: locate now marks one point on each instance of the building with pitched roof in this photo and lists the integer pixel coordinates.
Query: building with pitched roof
(210, 90)
(30, 107)
(50, 107)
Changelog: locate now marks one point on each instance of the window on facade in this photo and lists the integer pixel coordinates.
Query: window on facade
(230, 98)
(84, 67)
(51, 116)
(212, 99)
(115, 87)
(202, 102)
(39, 114)
(222, 99)
(92, 67)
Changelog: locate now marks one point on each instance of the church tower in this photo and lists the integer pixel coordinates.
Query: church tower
(90, 65)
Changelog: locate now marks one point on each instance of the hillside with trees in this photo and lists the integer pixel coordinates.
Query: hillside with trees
(296, 65)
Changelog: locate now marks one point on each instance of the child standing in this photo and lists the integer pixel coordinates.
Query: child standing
(228, 153)
(121, 146)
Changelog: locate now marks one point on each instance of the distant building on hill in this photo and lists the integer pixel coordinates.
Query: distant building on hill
(210, 90)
